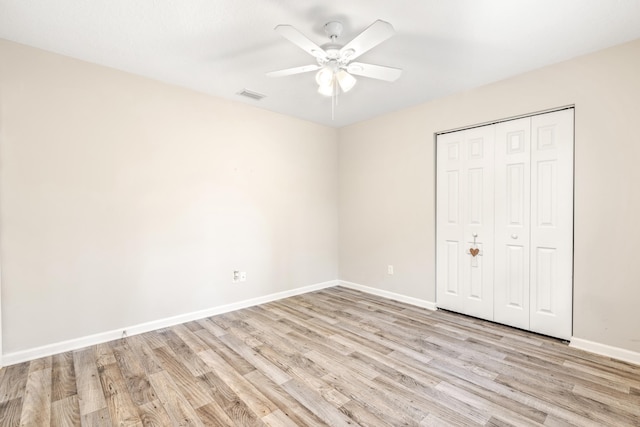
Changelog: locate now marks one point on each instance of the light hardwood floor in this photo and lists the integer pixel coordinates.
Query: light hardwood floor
(334, 357)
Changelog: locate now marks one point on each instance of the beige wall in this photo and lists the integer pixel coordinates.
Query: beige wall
(125, 200)
(387, 199)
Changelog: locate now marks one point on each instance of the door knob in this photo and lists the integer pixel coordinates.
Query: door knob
(514, 236)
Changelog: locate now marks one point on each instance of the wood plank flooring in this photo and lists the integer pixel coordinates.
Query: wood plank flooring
(334, 357)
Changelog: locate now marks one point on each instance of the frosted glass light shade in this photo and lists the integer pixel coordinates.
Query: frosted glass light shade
(324, 77)
(326, 90)
(345, 80)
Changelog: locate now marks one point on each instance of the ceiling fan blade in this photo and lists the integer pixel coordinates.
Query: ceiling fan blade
(372, 36)
(379, 72)
(300, 40)
(294, 70)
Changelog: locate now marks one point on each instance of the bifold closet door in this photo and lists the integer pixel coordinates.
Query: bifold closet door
(506, 191)
(512, 222)
(552, 224)
(465, 221)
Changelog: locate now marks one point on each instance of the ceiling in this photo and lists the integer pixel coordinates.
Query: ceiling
(220, 47)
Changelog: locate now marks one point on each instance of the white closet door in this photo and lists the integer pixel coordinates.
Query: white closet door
(552, 223)
(507, 191)
(464, 282)
(478, 227)
(451, 175)
(512, 222)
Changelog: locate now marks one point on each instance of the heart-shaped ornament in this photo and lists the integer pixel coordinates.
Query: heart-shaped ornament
(474, 251)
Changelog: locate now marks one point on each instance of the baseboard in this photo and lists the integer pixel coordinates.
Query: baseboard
(582, 344)
(606, 350)
(78, 343)
(390, 295)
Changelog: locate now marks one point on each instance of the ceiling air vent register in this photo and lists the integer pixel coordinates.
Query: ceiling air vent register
(250, 94)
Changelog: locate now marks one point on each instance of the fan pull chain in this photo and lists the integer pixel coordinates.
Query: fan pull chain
(334, 98)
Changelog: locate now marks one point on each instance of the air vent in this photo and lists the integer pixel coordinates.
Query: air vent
(250, 94)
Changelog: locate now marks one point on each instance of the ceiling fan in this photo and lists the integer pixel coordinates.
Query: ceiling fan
(334, 61)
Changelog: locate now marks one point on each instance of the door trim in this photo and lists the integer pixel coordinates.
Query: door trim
(506, 119)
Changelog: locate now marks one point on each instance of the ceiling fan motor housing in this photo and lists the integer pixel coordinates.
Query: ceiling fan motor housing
(332, 50)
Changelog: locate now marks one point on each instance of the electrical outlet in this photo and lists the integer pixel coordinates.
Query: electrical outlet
(236, 276)
(389, 269)
(243, 276)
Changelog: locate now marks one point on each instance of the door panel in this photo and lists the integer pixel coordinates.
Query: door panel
(477, 283)
(450, 178)
(546, 196)
(464, 282)
(475, 192)
(516, 285)
(453, 267)
(512, 222)
(453, 189)
(545, 261)
(552, 224)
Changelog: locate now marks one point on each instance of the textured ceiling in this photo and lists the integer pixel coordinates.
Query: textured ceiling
(220, 47)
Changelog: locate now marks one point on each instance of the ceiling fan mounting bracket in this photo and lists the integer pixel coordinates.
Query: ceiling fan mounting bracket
(333, 29)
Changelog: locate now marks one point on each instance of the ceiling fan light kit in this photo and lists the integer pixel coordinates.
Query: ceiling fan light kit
(334, 67)
(331, 77)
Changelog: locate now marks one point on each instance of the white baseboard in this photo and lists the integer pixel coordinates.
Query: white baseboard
(78, 343)
(390, 295)
(606, 350)
(582, 344)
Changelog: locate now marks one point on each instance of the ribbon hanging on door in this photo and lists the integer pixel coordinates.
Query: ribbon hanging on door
(474, 251)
